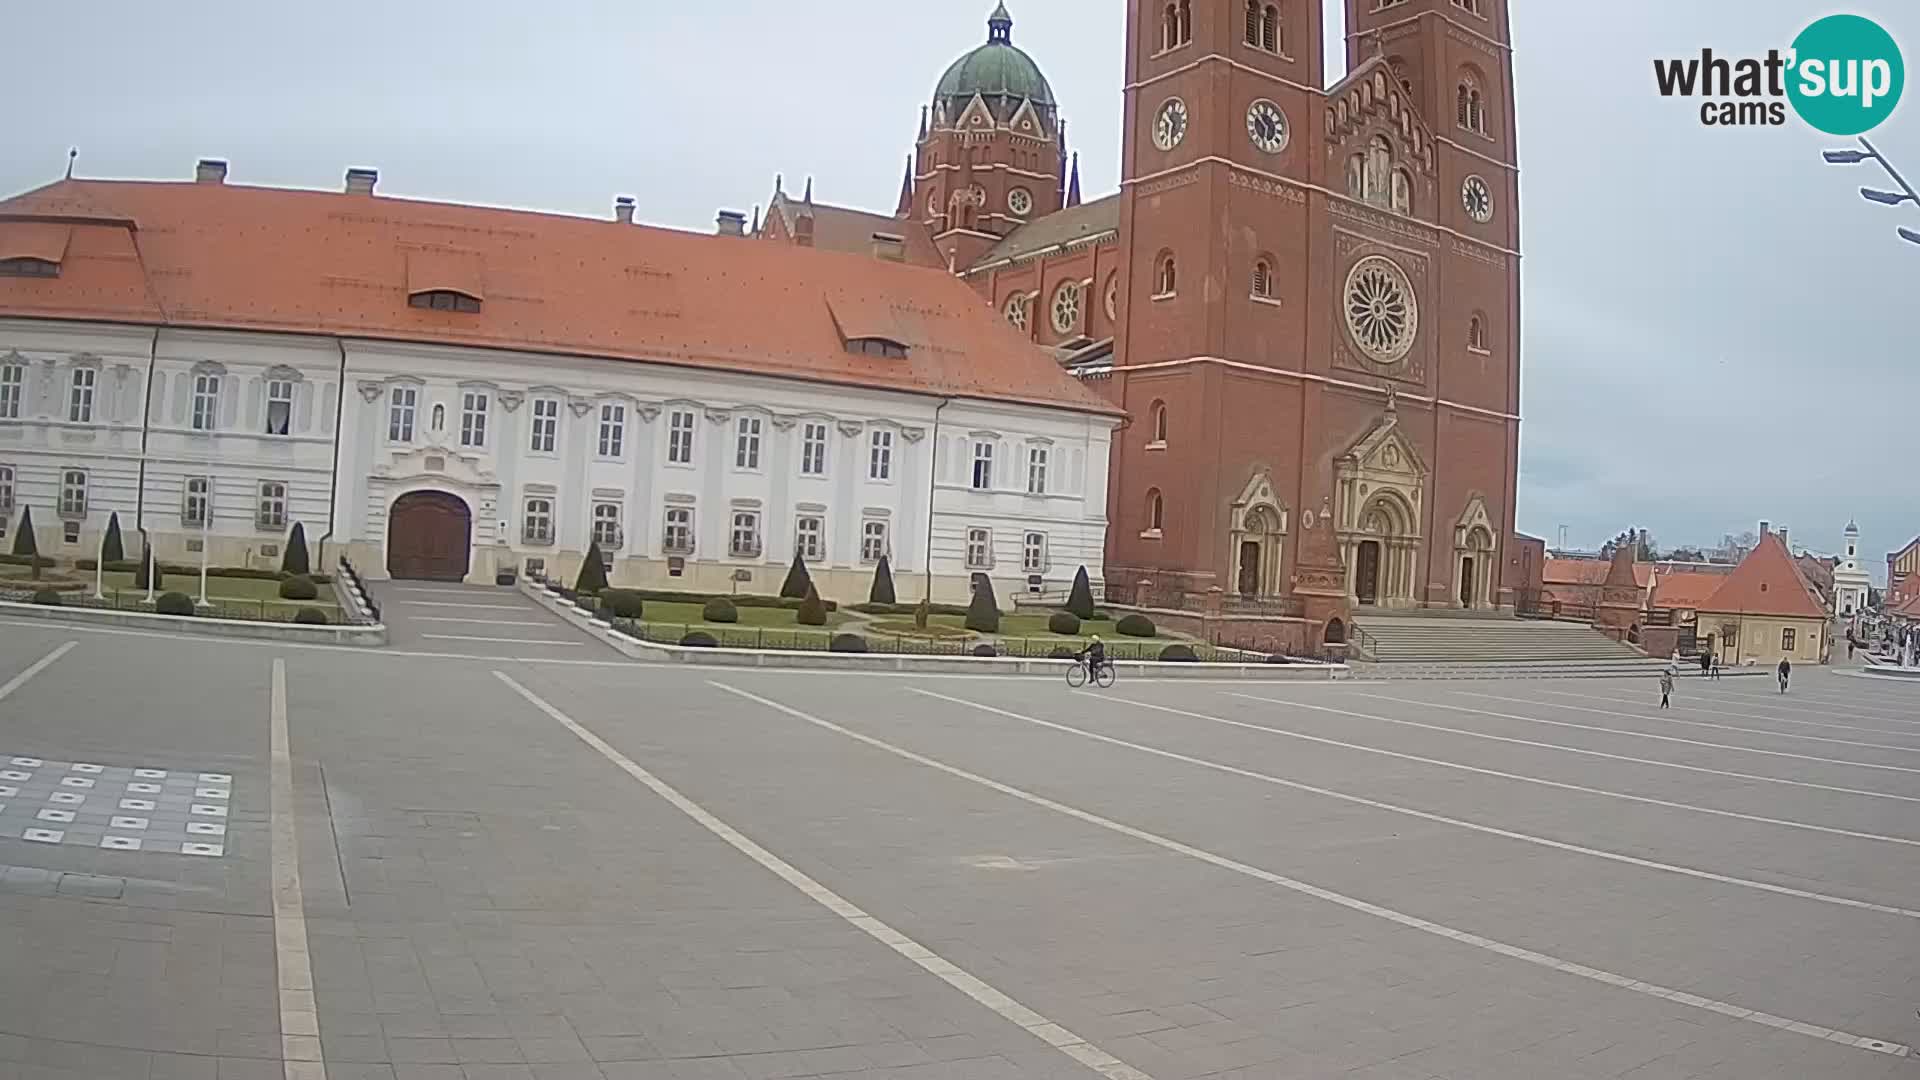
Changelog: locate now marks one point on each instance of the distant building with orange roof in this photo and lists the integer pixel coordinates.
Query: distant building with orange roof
(1765, 610)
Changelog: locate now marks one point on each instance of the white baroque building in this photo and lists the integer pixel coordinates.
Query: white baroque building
(446, 391)
(1852, 587)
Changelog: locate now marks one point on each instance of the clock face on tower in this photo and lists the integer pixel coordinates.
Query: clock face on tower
(1267, 127)
(1170, 124)
(1477, 197)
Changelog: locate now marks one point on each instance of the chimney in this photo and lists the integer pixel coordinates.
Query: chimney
(361, 181)
(210, 171)
(1784, 542)
(732, 223)
(1766, 527)
(623, 209)
(889, 247)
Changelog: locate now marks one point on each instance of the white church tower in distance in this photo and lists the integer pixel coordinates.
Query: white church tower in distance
(1850, 583)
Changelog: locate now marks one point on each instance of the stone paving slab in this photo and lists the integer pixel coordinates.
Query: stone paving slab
(114, 807)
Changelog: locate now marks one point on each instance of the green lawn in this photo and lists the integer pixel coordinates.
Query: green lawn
(240, 592)
(676, 614)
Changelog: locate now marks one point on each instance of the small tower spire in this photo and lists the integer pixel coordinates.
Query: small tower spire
(1000, 26)
(756, 220)
(1073, 181)
(905, 207)
(923, 123)
(779, 185)
(808, 197)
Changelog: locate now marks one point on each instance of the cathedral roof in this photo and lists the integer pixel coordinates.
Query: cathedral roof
(1076, 223)
(232, 257)
(841, 228)
(997, 69)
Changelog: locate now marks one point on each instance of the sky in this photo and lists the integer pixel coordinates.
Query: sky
(1716, 328)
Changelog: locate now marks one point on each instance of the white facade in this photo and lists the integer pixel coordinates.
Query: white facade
(544, 452)
(1851, 585)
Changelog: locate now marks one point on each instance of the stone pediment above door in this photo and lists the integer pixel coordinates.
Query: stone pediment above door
(1475, 517)
(440, 463)
(1385, 451)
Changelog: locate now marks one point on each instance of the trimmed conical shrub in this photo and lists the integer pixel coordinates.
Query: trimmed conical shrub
(882, 591)
(113, 549)
(798, 580)
(983, 614)
(812, 612)
(25, 544)
(295, 560)
(1080, 600)
(593, 571)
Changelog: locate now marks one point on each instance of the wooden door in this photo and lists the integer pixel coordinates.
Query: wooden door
(429, 537)
(1466, 581)
(1249, 568)
(1366, 583)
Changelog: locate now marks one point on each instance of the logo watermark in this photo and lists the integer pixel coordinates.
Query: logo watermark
(1843, 75)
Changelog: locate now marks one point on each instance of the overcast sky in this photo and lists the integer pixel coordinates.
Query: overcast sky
(1717, 329)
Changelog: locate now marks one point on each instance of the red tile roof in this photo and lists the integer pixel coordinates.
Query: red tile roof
(841, 228)
(1766, 583)
(1685, 591)
(1589, 572)
(226, 256)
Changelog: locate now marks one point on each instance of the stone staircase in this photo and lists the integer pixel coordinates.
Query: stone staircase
(1440, 643)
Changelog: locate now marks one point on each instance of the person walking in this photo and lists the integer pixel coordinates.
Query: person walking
(1706, 661)
(1785, 672)
(1666, 689)
(1715, 657)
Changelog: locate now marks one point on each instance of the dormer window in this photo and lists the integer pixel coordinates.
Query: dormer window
(445, 300)
(877, 346)
(29, 267)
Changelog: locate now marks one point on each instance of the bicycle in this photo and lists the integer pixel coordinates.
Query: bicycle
(1077, 674)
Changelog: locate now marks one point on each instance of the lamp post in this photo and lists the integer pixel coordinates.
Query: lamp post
(1906, 194)
(100, 569)
(206, 530)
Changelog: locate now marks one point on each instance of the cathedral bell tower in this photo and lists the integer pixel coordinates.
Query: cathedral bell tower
(991, 154)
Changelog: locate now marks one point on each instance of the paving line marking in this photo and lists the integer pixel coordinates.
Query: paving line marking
(35, 668)
(1689, 706)
(481, 622)
(1411, 921)
(1710, 724)
(1662, 738)
(1573, 749)
(1869, 709)
(1543, 782)
(480, 607)
(1042, 1028)
(1442, 819)
(502, 640)
(299, 1016)
(435, 592)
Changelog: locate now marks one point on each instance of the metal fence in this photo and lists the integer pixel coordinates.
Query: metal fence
(353, 575)
(1031, 648)
(273, 611)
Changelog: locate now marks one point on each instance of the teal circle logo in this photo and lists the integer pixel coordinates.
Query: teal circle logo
(1847, 75)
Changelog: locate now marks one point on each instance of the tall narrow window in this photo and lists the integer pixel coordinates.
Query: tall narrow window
(613, 430)
(73, 493)
(473, 419)
(979, 549)
(197, 502)
(1402, 192)
(1461, 114)
(810, 537)
(206, 401)
(1788, 639)
(1037, 470)
(537, 526)
(1270, 39)
(272, 512)
(1253, 22)
(80, 401)
(873, 541)
(1165, 276)
(402, 404)
(1477, 334)
(746, 445)
(880, 456)
(1033, 553)
(1185, 33)
(546, 425)
(6, 488)
(745, 538)
(606, 525)
(1156, 511)
(1263, 279)
(680, 438)
(13, 379)
(1476, 112)
(1170, 27)
(679, 535)
(279, 406)
(1160, 422)
(813, 450)
(982, 466)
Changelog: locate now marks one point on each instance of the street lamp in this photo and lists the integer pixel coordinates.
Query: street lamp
(1905, 194)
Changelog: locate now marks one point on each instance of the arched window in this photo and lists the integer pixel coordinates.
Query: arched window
(1402, 191)
(1477, 334)
(1160, 423)
(1186, 22)
(1262, 279)
(1156, 510)
(1476, 112)
(1469, 105)
(1270, 29)
(1170, 28)
(1253, 22)
(1461, 113)
(1165, 276)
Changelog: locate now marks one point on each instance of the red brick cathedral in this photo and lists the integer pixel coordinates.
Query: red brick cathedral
(1306, 297)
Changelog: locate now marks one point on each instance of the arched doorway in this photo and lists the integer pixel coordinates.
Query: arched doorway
(1474, 588)
(1366, 573)
(429, 537)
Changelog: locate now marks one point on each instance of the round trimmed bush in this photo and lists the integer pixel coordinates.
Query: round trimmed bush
(1061, 652)
(1064, 622)
(174, 603)
(1178, 653)
(1135, 625)
(848, 643)
(621, 604)
(720, 610)
(310, 616)
(47, 598)
(985, 650)
(299, 587)
(699, 639)
(1279, 658)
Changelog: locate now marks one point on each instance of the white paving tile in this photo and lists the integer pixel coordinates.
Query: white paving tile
(150, 774)
(191, 848)
(209, 810)
(44, 836)
(136, 804)
(67, 798)
(144, 789)
(209, 793)
(26, 762)
(87, 767)
(50, 814)
(128, 823)
(206, 828)
(120, 843)
(76, 781)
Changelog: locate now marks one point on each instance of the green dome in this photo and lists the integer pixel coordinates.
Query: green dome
(996, 69)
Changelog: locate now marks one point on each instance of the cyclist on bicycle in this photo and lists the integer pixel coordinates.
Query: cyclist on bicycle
(1095, 657)
(1785, 671)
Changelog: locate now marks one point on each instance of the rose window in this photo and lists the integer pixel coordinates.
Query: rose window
(1017, 312)
(1066, 308)
(1382, 314)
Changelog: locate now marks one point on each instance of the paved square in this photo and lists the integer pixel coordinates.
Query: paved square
(473, 867)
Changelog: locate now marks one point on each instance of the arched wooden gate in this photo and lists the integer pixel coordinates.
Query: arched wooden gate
(429, 537)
